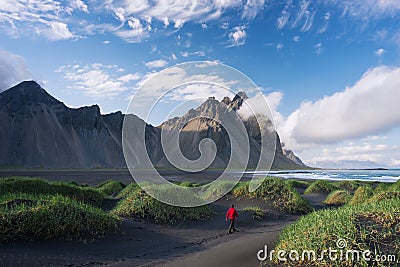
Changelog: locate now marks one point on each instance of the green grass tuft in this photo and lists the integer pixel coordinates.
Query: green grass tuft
(110, 188)
(137, 204)
(362, 193)
(297, 183)
(40, 217)
(395, 186)
(338, 198)
(349, 185)
(321, 185)
(365, 226)
(257, 213)
(282, 195)
(385, 195)
(37, 186)
(130, 188)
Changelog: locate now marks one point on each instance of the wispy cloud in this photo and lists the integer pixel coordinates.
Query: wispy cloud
(309, 20)
(135, 21)
(323, 28)
(237, 36)
(196, 53)
(136, 32)
(302, 13)
(13, 70)
(380, 52)
(284, 18)
(98, 80)
(319, 48)
(160, 63)
(367, 9)
(252, 8)
(43, 18)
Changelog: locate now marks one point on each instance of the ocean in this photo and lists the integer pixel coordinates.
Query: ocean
(364, 175)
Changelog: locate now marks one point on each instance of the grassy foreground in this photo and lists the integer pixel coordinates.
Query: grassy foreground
(369, 221)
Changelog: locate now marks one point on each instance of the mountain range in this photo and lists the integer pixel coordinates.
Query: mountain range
(39, 131)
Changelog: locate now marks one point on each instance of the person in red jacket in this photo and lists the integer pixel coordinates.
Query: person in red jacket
(231, 215)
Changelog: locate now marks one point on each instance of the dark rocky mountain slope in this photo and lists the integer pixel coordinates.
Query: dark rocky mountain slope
(39, 131)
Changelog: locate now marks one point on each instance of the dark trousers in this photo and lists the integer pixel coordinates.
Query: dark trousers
(232, 226)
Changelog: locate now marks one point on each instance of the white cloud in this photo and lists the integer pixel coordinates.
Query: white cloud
(204, 26)
(155, 84)
(283, 20)
(285, 15)
(179, 23)
(44, 18)
(180, 12)
(237, 36)
(394, 163)
(367, 108)
(375, 138)
(252, 8)
(296, 38)
(130, 77)
(165, 21)
(380, 52)
(225, 26)
(309, 20)
(98, 80)
(367, 9)
(323, 28)
(78, 5)
(302, 14)
(13, 70)
(356, 156)
(136, 32)
(58, 31)
(363, 112)
(319, 48)
(160, 63)
(196, 53)
(256, 105)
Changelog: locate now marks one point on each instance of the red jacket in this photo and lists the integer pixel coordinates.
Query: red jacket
(231, 214)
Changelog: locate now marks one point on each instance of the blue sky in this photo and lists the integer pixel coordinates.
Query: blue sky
(331, 69)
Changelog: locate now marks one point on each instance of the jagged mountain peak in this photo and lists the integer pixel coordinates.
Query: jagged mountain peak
(211, 108)
(24, 94)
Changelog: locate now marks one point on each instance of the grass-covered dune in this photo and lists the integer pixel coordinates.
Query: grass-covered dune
(369, 221)
(135, 203)
(111, 188)
(38, 186)
(35, 209)
(277, 191)
(338, 198)
(40, 217)
(321, 185)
